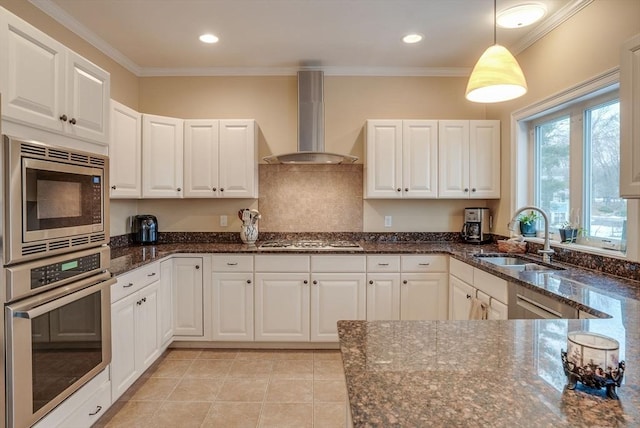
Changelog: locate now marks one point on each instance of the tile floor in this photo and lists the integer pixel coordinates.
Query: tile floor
(235, 388)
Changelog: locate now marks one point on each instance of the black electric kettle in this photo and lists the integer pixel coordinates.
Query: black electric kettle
(145, 229)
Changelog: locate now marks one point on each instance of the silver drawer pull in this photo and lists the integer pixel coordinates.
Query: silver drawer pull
(128, 285)
(232, 264)
(96, 412)
(152, 274)
(383, 264)
(424, 264)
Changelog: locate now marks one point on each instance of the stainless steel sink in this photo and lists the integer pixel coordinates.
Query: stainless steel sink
(516, 263)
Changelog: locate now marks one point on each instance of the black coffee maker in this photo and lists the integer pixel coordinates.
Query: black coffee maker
(145, 229)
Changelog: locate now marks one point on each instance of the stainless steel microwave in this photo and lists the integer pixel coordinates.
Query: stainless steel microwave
(54, 201)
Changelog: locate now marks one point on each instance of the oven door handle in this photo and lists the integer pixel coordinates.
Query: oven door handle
(40, 305)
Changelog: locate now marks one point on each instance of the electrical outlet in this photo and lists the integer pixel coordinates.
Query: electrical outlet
(388, 221)
(223, 220)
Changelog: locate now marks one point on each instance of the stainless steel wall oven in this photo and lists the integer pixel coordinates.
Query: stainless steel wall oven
(59, 339)
(54, 283)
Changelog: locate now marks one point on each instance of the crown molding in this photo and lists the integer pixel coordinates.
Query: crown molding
(72, 24)
(549, 25)
(291, 71)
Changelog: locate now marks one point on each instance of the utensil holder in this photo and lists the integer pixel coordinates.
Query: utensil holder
(249, 233)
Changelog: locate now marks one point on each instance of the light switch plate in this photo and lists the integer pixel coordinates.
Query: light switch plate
(223, 220)
(388, 221)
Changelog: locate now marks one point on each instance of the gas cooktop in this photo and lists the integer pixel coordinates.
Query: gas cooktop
(311, 245)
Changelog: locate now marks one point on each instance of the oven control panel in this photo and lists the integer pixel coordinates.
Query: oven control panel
(54, 272)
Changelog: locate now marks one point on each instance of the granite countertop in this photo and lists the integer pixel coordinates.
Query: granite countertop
(471, 373)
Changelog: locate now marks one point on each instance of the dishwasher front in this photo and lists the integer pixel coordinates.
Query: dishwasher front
(525, 303)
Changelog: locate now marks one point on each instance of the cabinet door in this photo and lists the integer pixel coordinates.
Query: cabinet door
(165, 303)
(383, 167)
(498, 310)
(383, 296)
(420, 158)
(629, 118)
(88, 91)
(232, 306)
(187, 297)
(336, 296)
(453, 155)
(238, 162)
(484, 159)
(201, 158)
(282, 307)
(424, 296)
(125, 152)
(32, 74)
(162, 150)
(147, 332)
(460, 294)
(123, 344)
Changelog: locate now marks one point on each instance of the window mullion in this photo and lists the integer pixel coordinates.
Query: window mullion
(577, 168)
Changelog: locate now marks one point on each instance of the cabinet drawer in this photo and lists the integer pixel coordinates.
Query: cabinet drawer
(232, 263)
(461, 270)
(495, 287)
(338, 263)
(424, 263)
(383, 263)
(135, 280)
(91, 410)
(277, 263)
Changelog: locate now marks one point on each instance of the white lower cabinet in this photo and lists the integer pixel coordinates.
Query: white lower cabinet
(467, 283)
(232, 298)
(135, 339)
(301, 298)
(407, 287)
(187, 281)
(165, 303)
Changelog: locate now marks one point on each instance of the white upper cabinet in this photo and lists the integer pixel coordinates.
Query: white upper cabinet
(48, 86)
(220, 159)
(630, 118)
(469, 159)
(162, 150)
(125, 152)
(401, 159)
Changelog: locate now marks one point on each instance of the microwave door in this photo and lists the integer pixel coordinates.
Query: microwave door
(60, 200)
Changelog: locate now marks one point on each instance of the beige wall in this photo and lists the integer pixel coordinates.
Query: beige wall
(124, 84)
(585, 46)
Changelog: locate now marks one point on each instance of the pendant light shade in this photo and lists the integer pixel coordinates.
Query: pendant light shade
(496, 77)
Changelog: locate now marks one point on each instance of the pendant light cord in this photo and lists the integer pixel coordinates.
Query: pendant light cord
(494, 22)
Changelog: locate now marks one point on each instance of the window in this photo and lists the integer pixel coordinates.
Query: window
(576, 169)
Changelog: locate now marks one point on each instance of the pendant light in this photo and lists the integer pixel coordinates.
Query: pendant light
(497, 76)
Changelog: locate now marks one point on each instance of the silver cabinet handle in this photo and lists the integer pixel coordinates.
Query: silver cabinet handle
(128, 285)
(383, 264)
(424, 264)
(232, 264)
(152, 274)
(96, 412)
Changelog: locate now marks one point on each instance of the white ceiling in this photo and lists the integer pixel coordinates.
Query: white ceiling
(348, 37)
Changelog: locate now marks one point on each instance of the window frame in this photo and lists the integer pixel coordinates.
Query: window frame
(579, 191)
(521, 182)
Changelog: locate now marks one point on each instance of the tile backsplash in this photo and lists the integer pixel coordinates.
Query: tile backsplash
(312, 198)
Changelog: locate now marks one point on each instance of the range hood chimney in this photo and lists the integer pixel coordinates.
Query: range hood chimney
(310, 125)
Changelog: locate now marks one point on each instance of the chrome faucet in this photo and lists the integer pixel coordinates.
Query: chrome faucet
(546, 252)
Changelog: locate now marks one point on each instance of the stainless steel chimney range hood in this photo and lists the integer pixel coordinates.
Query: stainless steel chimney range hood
(310, 125)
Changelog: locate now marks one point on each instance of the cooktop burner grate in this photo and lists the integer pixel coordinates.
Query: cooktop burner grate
(310, 245)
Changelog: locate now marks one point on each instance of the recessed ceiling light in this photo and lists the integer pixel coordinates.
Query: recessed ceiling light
(520, 16)
(412, 38)
(208, 38)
